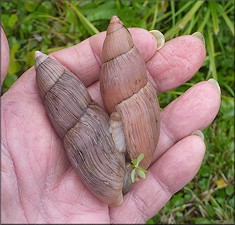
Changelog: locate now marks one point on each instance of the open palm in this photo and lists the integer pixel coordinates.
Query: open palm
(38, 182)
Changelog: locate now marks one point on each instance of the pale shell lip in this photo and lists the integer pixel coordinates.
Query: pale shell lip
(39, 58)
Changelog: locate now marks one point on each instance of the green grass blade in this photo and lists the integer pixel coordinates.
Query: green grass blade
(211, 52)
(154, 16)
(165, 15)
(52, 18)
(86, 23)
(229, 89)
(192, 24)
(213, 9)
(182, 9)
(229, 6)
(173, 12)
(226, 18)
(182, 23)
(204, 22)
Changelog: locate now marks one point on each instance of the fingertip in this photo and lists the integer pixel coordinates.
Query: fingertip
(215, 83)
(200, 36)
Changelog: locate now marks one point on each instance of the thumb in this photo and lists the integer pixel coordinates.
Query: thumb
(4, 55)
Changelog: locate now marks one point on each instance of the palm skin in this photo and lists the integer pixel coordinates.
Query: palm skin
(38, 183)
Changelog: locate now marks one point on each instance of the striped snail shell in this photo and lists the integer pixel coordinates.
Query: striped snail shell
(83, 127)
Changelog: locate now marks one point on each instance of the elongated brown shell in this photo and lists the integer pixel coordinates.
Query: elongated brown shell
(125, 89)
(84, 129)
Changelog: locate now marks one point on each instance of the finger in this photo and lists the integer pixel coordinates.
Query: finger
(168, 175)
(176, 62)
(84, 59)
(4, 55)
(194, 110)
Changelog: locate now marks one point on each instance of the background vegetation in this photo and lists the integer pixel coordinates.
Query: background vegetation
(53, 25)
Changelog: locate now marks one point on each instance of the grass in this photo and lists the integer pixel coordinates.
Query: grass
(209, 198)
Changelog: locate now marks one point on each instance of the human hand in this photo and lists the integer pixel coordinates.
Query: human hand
(38, 183)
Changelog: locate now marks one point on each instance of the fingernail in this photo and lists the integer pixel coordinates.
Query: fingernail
(213, 81)
(200, 36)
(159, 37)
(199, 134)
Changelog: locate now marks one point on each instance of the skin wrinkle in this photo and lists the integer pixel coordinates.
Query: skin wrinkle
(30, 149)
(57, 207)
(162, 53)
(14, 170)
(155, 68)
(34, 173)
(26, 143)
(20, 198)
(186, 60)
(52, 191)
(39, 210)
(151, 80)
(140, 203)
(165, 188)
(97, 58)
(84, 77)
(44, 204)
(56, 187)
(28, 94)
(43, 197)
(57, 165)
(18, 189)
(4, 151)
(40, 195)
(189, 57)
(141, 211)
(9, 156)
(164, 126)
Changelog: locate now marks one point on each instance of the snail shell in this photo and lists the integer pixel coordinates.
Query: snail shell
(83, 127)
(125, 90)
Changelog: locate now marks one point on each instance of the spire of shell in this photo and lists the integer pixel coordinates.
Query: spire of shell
(118, 40)
(114, 25)
(39, 58)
